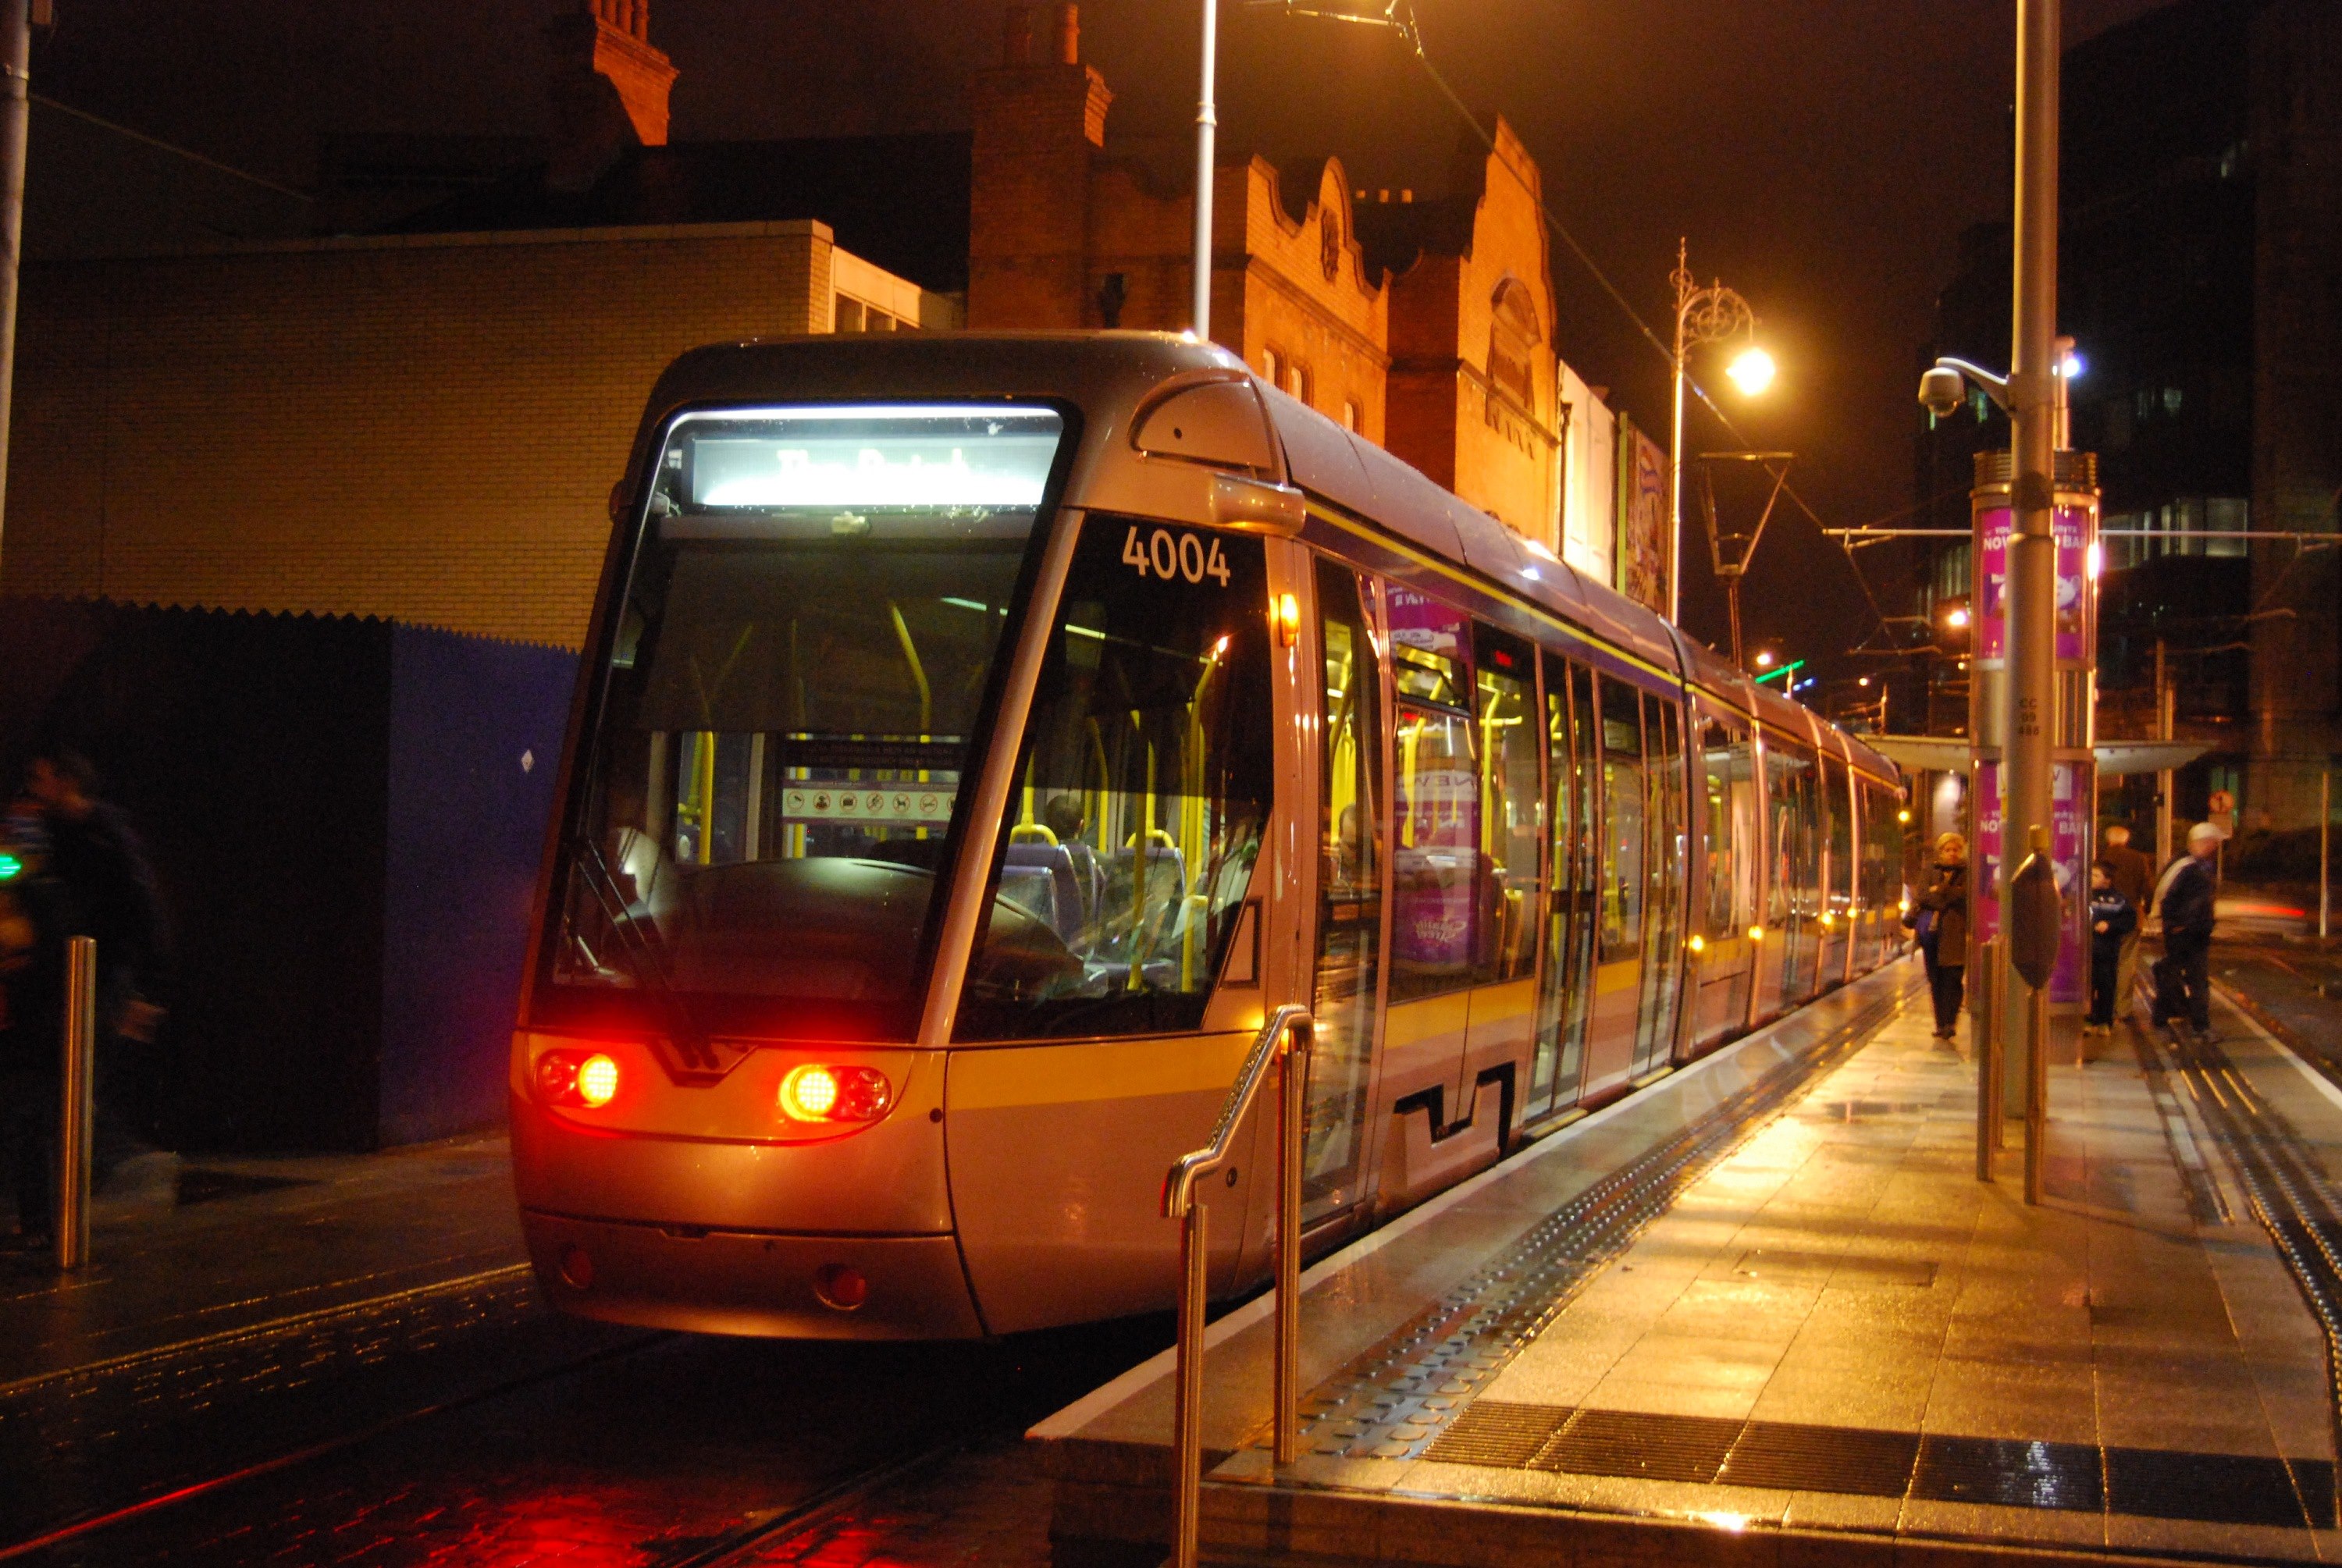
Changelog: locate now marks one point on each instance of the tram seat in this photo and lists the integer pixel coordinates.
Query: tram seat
(637, 867)
(1042, 877)
(1159, 900)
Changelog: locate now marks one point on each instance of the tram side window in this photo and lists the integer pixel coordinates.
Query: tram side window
(1840, 805)
(1622, 820)
(1140, 792)
(1882, 845)
(1789, 784)
(1435, 864)
(1728, 764)
(1512, 821)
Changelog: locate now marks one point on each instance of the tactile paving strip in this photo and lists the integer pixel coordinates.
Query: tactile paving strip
(1395, 1400)
(1792, 1456)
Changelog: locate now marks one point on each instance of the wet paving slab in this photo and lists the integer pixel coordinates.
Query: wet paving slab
(526, 1436)
(1836, 1342)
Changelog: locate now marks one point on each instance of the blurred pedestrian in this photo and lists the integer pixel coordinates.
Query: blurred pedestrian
(2133, 873)
(106, 892)
(2114, 921)
(2183, 978)
(32, 998)
(1942, 925)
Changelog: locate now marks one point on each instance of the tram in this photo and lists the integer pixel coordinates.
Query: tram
(979, 735)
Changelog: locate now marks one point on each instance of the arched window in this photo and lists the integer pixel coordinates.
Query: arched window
(1513, 338)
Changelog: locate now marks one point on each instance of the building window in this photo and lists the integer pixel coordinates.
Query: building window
(1513, 337)
(1272, 367)
(1354, 419)
(1297, 381)
(855, 315)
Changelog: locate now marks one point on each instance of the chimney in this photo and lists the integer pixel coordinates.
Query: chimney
(609, 87)
(1039, 118)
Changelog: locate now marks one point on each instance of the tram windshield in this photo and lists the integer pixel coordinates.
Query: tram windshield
(807, 633)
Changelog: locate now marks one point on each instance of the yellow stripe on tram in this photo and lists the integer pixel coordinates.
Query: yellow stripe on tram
(1003, 1078)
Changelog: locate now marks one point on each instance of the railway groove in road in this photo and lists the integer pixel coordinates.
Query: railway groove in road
(518, 1427)
(2289, 1193)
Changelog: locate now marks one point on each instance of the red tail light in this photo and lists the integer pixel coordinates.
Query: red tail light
(816, 1093)
(586, 1078)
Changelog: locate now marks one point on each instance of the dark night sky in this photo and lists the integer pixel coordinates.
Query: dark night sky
(1822, 156)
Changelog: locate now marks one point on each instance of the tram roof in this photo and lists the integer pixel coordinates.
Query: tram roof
(1110, 374)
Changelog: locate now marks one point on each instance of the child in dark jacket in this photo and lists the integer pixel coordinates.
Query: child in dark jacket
(2112, 918)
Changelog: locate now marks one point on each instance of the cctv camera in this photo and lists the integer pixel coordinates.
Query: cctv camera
(1942, 391)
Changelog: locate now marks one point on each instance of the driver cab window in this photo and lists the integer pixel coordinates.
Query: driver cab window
(1140, 792)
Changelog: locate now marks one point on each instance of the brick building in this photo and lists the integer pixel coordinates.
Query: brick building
(1424, 325)
(423, 424)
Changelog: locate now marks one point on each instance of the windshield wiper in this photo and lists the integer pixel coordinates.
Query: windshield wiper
(640, 942)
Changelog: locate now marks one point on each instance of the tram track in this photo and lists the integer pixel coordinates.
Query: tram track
(683, 1444)
(2282, 1182)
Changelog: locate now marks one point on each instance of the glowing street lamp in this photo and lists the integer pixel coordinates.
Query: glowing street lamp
(1752, 372)
(1764, 658)
(1707, 314)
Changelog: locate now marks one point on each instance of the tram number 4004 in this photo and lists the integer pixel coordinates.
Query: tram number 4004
(1168, 554)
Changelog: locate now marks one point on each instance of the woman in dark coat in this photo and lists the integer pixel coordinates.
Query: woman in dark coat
(1944, 929)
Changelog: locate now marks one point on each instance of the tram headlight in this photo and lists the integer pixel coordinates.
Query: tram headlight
(1697, 944)
(817, 1092)
(577, 1078)
(1756, 933)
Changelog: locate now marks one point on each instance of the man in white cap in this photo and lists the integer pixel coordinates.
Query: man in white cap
(2183, 981)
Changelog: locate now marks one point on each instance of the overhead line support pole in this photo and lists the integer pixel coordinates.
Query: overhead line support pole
(16, 112)
(1206, 127)
(2030, 723)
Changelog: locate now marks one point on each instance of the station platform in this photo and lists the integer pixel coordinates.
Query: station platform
(1763, 1312)
(190, 1250)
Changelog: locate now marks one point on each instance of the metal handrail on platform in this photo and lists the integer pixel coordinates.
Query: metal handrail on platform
(1286, 1038)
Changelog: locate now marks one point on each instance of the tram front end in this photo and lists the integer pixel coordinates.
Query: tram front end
(903, 822)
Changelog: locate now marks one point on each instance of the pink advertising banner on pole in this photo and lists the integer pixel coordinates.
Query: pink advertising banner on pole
(2069, 836)
(1992, 604)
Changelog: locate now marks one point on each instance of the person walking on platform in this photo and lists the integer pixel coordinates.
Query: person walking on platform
(107, 892)
(2133, 873)
(32, 1000)
(2182, 977)
(2114, 921)
(1943, 928)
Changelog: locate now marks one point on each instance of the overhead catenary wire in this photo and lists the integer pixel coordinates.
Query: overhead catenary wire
(1398, 16)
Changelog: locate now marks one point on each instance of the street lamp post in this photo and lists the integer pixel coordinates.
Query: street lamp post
(1206, 125)
(1702, 315)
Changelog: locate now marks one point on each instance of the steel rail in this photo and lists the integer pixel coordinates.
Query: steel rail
(2286, 1189)
(90, 1524)
(1285, 1038)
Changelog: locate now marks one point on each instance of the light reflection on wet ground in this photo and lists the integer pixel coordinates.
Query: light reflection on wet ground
(654, 1451)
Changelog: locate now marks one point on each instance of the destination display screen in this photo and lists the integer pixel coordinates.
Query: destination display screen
(878, 457)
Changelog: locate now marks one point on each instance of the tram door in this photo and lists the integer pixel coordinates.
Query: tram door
(1618, 938)
(1655, 1022)
(1349, 895)
(1572, 754)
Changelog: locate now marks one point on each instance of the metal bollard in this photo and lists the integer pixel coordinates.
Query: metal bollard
(78, 1103)
(1983, 997)
(2036, 1096)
